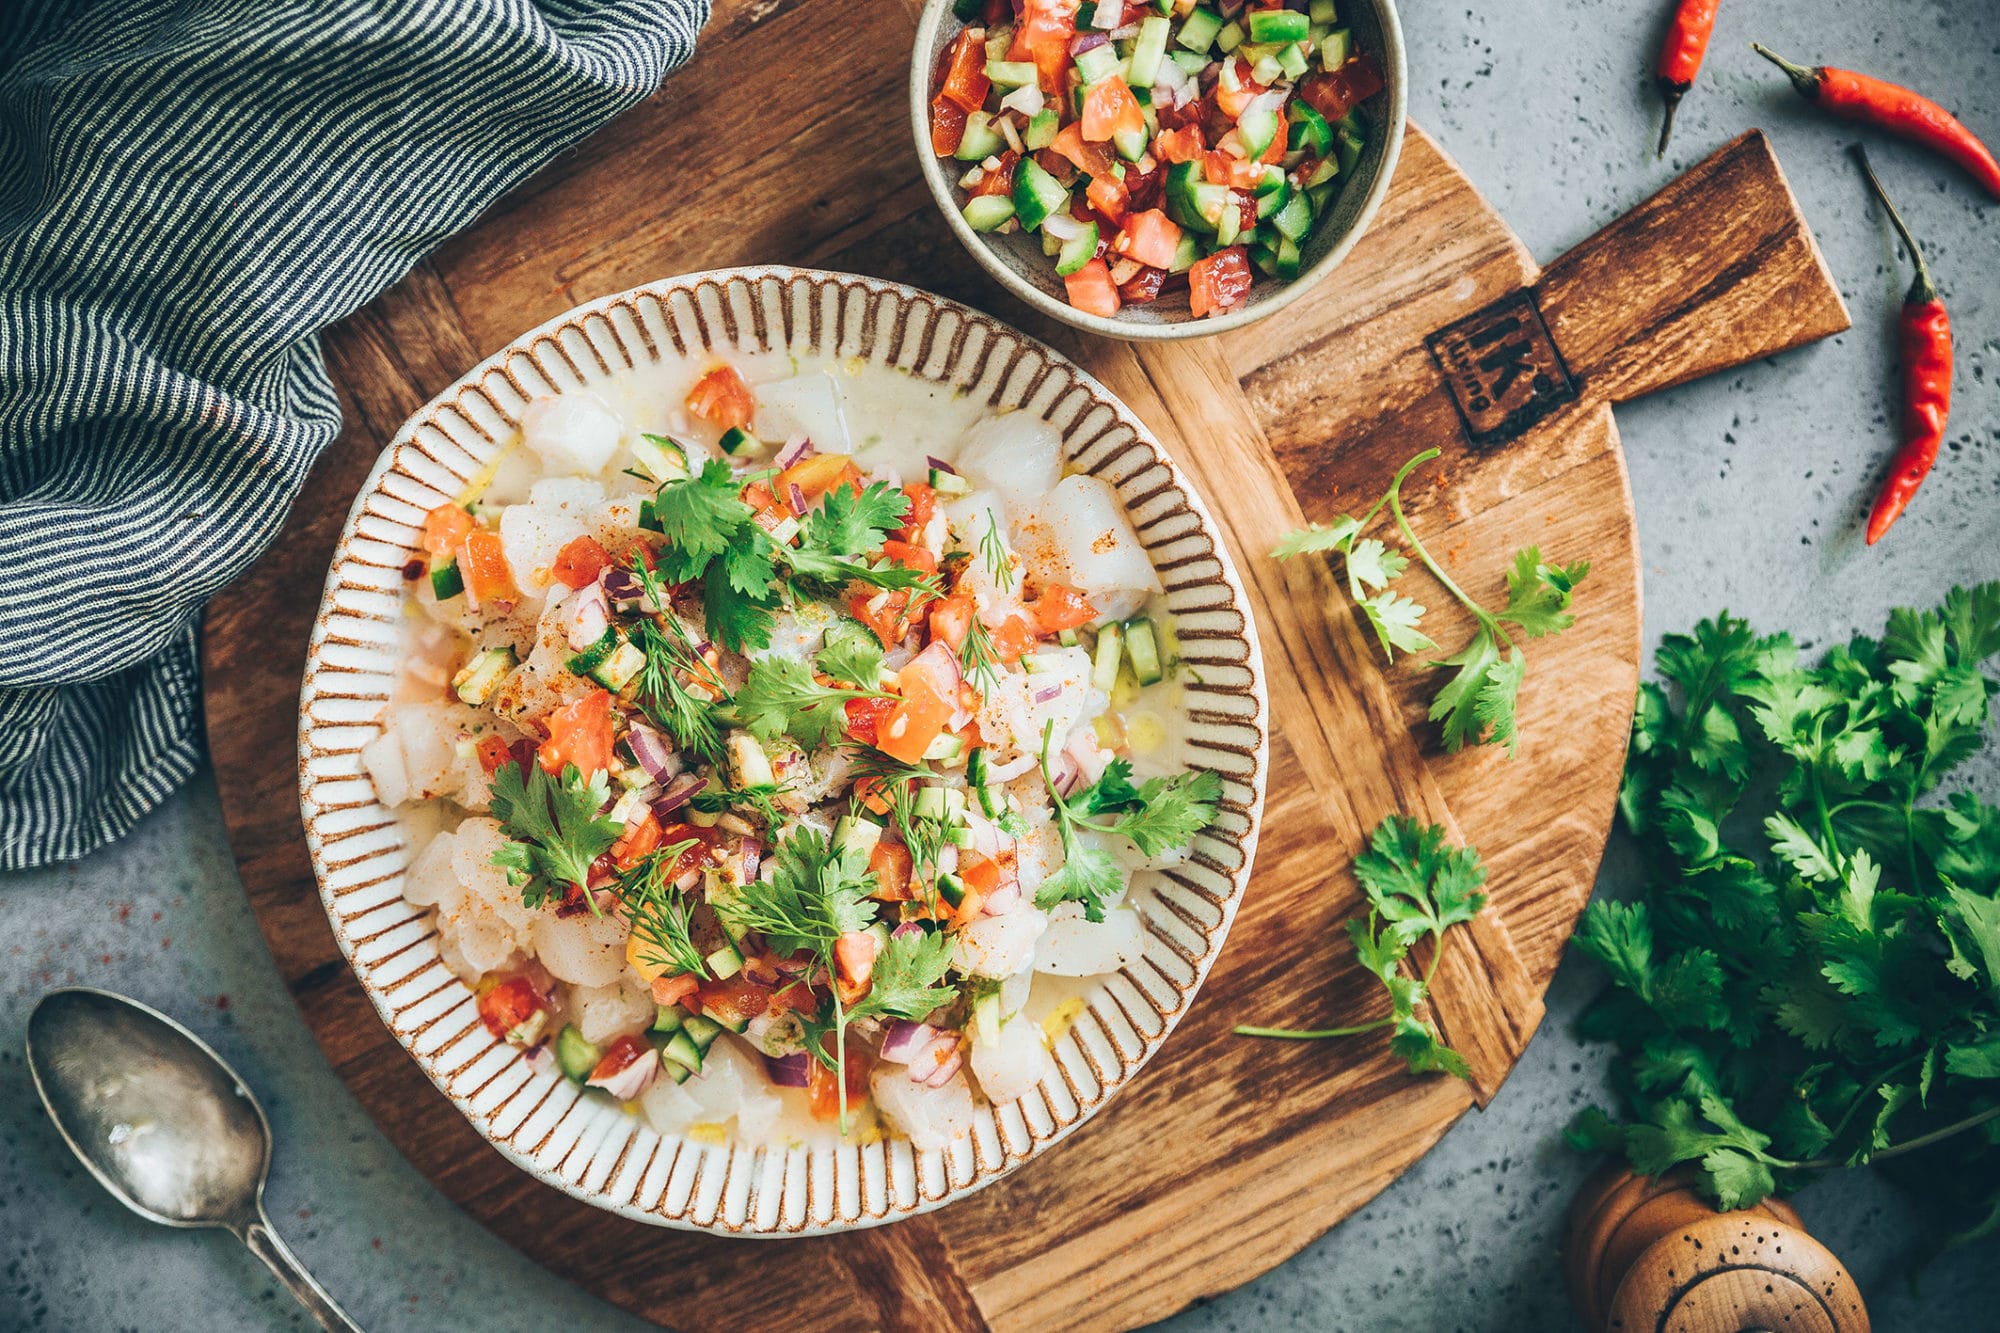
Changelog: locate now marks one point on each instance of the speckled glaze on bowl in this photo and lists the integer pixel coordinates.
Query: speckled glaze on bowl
(586, 1145)
(1018, 263)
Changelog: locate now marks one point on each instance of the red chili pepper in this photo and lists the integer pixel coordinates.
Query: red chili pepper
(1681, 55)
(1925, 339)
(1893, 108)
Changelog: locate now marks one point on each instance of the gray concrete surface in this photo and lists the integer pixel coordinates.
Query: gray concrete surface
(1750, 489)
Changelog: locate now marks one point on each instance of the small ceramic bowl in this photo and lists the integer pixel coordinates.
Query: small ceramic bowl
(1017, 261)
(586, 1145)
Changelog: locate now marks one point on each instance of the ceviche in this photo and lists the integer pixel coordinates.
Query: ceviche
(1153, 142)
(780, 742)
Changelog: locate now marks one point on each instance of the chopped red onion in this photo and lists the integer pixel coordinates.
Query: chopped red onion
(1047, 693)
(1086, 41)
(902, 1040)
(960, 718)
(1125, 33)
(540, 1059)
(752, 852)
(951, 1066)
(687, 882)
(947, 859)
(938, 464)
(794, 450)
(904, 931)
(633, 1079)
(622, 585)
(789, 1071)
(589, 617)
(1010, 770)
(678, 793)
(1026, 99)
(1110, 14)
(655, 754)
(942, 657)
(1062, 226)
(606, 899)
(1004, 899)
(1229, 9)
(1066, 775)
(796, 494)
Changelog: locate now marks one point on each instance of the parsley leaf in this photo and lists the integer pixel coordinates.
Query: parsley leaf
(555, 828)
(853, 654)
(701, 515)
(908, 976)
(780, 697)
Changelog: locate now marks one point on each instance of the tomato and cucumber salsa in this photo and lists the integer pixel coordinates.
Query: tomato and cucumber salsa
(1153, 142)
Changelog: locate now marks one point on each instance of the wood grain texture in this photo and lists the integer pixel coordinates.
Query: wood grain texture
(1224, 1156)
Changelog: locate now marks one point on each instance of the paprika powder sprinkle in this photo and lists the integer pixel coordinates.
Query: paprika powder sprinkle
(1925, 339)
(1681, 56)
(1893, 108)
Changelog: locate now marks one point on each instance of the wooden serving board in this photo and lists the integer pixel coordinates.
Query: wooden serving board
(1225, 1155)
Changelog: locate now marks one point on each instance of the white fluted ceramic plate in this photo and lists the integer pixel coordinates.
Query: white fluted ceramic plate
(583, 1143)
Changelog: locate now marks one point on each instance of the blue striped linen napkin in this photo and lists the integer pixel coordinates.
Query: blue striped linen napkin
(189, 191)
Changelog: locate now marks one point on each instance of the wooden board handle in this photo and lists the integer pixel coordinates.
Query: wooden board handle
(1715, 270)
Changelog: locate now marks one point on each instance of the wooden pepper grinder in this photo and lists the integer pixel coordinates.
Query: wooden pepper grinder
(1649, 1253)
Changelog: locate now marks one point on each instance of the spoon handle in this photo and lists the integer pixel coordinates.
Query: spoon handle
(266, 1245)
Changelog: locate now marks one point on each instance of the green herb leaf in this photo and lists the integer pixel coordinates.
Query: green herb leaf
(555, 828)
(780, 697)
(908, 978)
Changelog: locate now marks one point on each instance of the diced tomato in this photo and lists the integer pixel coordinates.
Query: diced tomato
(640, 839)
(1219, 281)
(1274, 151)
(999, 179)
(579, 563)
(1145, 189)
(888, 617)
(493, 754)
(1234, 104)
(737, 1000)
(1334, 93)
(723, 400)
(1182, 145)
(864, 717)
(951, 620)
(794, 995)
(1110, 108)
(947, 126)
(766, 511)
(673, 990)
(510, 1007)
(814, 476)
(1061, 607)
(483, 565)
(853, 964)
(890, 864)
(1142, 287)
(980, 872)
(823, 1091)
(622, 1054)
(1043, 36)
(1224, 168)
(928, 695)
(1013, 639)
(1107, 195)
(1056, 165)
(1092, 159)
(580, 734)
(444, 528)
(909, 556)
(868, 791)
(921, 503)
(1150, 237)
(965, 80)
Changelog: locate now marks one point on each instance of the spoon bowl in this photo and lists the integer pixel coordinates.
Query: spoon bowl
(162, 1122)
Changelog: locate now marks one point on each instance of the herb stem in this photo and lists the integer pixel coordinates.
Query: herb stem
(1395, 499)
(1898, 1149)
(1315, 1034)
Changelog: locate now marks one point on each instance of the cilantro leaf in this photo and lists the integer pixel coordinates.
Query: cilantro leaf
(555, 829)
(1457, 704)
(1394, 619)
(850, 524)
(1160, 813)
(1538, 594)
(1315, 538)
(741, 622)
(1373, 565)
(701, 516)
(780, 697)
(1088, 875)
(853, 654)
(908, 978)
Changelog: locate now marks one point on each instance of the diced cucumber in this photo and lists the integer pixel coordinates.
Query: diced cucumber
(623, 808)
(1325, 172)
(668, 1017)
(1266, 69)
(1309, 133)
(702, 1031)
(952, 889)
(1288, 258)
(980, 140)
(617, 670)
(1097, 64)
(660, 458)
(679, 1050)
(1067, 638)
(575, 1056)
(1229, 226)
(949, 483)
(976, 767)
(1337, 49)
(476, 681)
(1230, 37)
(587, 661)
(1292, 60)
(1256, 128)
(1321, 196)
(986, 1016)
(852, 831)
(1265, 258)
(1295, 219)
(959, 835)
(1323, 11)
(751, 766)
(1191, 62)
(1279, 25)
(988, 212)
(1012, 73)
(1142, 649)
(1191, 201)
(736, 1025)
(724, 963)
(1349, 151)
(1267, 204)
(1077, 251)
(944, 804)
(1104, 667)
(1199, 30)
(446, 581)
(737, 442)
(1042, 129)
(1036, 193)
(944, 748)
(1148, 51)
(992, 799)
(1186, 255)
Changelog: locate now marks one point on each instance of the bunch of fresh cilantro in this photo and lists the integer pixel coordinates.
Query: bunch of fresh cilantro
(1418, 886)
(1811, 977)
(1477, 704)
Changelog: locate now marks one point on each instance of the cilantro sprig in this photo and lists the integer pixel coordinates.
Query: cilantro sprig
(1418, 887)
(781, 697)
(1811, 975)
(1478, 704)
(554, 828)
(1158, 814)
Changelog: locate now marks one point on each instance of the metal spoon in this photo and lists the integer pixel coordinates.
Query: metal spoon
(163, 1124)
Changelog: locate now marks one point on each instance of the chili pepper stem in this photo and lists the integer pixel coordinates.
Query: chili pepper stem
(1673, 93)
(1805, 79)
(1922, 290)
